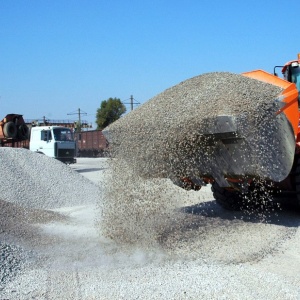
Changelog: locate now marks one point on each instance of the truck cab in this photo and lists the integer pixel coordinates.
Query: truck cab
(54, 141)
(291, 73)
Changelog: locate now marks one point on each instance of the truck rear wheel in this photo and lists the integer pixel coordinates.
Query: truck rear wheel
(259, 196)
(297, 181)
(231, 200)
(23, 132)
(10, 130)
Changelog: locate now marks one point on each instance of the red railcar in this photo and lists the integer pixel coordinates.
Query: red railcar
(15, 143)
(91, 143)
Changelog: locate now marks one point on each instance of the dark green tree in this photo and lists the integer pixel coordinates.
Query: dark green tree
(110, 110)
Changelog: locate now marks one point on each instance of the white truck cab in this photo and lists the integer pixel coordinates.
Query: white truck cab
(54, 141)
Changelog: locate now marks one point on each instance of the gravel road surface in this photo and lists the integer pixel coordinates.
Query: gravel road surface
(55, 248)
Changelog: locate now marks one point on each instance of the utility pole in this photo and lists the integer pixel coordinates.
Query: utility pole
(79, 112)
(131, 102)
(79, 119)
(45, 121)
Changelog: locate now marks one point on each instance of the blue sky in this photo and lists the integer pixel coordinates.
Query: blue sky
(57, 56)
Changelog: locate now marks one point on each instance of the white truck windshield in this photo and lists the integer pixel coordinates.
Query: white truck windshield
(63, 134)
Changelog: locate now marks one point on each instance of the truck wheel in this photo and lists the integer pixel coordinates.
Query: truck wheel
(10, 130)
(231, 200)
(258, 197)
(23, 132)
(297, 181)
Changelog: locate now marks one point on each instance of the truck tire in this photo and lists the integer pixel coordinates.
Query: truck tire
(231, 200)
(297, 181)
(10, 130)
(23, 132)
(258, 197)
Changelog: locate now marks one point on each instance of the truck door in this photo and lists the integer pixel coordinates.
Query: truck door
(46, 143)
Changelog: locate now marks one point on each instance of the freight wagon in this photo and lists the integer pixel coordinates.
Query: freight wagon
(91, 143)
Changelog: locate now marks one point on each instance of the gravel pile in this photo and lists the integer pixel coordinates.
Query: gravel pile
(30, 185)
(37, 181)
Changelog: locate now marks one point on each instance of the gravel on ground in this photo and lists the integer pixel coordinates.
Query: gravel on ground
(102, 229)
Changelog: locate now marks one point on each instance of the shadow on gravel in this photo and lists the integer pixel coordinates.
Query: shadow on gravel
(89, 170)
(19, 223)
(286, 214)
(209, 232)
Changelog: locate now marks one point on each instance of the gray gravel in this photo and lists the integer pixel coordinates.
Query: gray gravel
(211, 255)
(165, 136)
(12, 261)
(41, 182)
(30, 185)
(112, 234)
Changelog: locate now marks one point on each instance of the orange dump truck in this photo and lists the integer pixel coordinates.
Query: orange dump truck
(13, 130)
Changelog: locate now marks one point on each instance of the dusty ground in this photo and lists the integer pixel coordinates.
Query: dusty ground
(211, 254)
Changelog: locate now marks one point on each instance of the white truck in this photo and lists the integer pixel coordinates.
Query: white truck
(54, 141)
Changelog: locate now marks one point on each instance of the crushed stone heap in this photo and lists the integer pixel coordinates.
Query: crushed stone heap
(37, 181)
